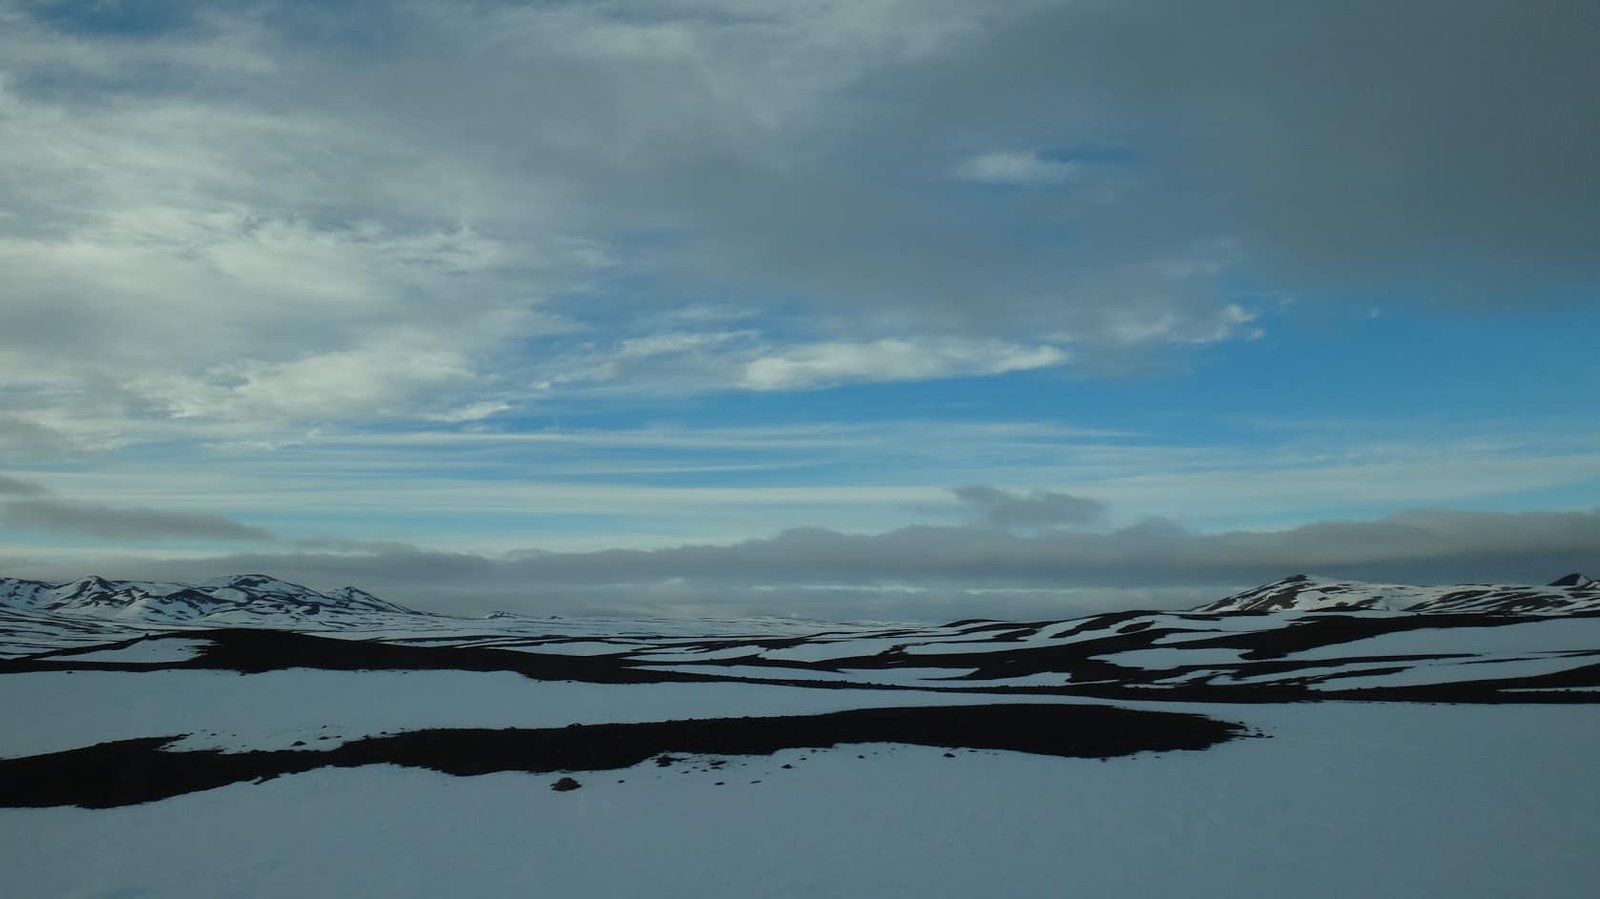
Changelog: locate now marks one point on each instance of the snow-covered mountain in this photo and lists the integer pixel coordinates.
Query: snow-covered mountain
(1304, 593)
(238, 600)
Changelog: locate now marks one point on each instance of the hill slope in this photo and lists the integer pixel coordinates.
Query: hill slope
(1304, 593)
(245, 599)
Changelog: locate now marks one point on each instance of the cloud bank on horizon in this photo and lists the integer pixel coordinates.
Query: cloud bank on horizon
(1018, 554)
(634, 276)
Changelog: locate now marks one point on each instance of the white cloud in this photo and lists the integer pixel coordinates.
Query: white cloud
(1020, 169)
(192, 257)
(1225, 323)
(471, 412)
(370, 382)
(826, 364)
(682, 362)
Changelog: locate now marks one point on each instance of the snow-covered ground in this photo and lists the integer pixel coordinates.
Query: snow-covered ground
(1343, 800)
(1332, 798)
(55, 711)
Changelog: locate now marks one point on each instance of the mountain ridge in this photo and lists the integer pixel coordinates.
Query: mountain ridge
(231, 599)
(1309, 593)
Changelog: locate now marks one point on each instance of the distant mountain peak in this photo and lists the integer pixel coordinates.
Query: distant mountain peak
(1574, 580)
(1309, 593)
(253, 581)
(232, 600)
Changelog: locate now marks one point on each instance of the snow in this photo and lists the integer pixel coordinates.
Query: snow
(909, 677)
(1546, 635)
(1343, 800)
(144, 652)
(822, 651)
(52, 711)
(1444, 672)
(1340, 799)
(1303, 593)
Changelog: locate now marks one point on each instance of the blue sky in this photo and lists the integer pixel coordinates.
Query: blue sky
(578, 307)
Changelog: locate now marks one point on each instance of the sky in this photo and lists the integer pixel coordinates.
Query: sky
(901, 309)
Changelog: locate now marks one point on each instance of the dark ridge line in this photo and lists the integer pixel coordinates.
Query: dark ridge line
(1316, 630)
(130, 772)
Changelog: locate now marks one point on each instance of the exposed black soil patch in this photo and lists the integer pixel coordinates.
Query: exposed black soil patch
(1077, 659)
(251, 651)
(128, 772)
(1324, 629)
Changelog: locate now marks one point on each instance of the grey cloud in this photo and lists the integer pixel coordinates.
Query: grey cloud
(1438, 146)
(125, 524)
(25, 440)
(1038, 509)
(343, 545)
(1416, 545)
(10, 486)
(942, 572)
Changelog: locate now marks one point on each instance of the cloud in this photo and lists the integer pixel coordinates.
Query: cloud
(826, 364)
(938, 572)
(1436, 147)
(678, 362)
(359, 224)
(10, 486)
(369, 381)
(24, 439)
(1418, 545)
(1038, 509)
(478, 411)
(125, 524)
(1021, 169)
(39, 509)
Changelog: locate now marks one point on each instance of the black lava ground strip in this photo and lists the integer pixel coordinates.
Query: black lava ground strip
(252, 651)
(129, 772)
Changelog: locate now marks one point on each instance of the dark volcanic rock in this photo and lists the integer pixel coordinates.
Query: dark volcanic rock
(128, 772)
